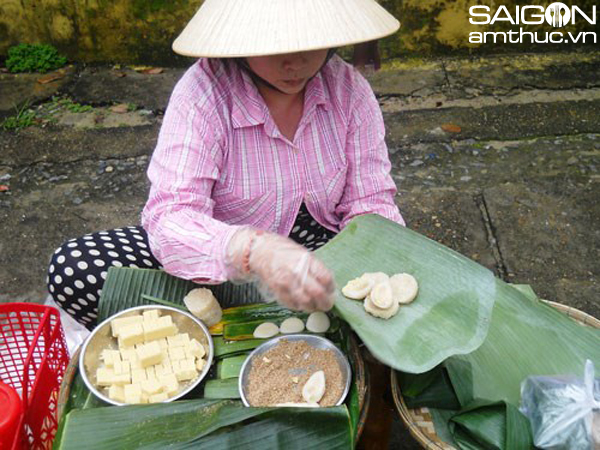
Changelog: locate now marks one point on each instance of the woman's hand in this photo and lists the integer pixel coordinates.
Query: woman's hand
(286, 271)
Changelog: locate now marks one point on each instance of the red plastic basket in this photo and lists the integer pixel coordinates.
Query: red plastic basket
(33, 359)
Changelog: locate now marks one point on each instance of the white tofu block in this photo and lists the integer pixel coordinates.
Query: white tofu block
(176, 353)
(151, 315)
(151, 373)
(167, 368)
(187, 370)
(149, 354)
(162, 328)
(117, 324)
(157, 398)
(116, 393)
(127, 353)
(138, 375)
(152, 386)
(200, 363)
(197, 349)
(130, 335)
(110, 356)
(132, 393)
(179, 340)
(163, 343)
(121, 367)
(105, 376)
(122, 379)
(135, 364)
(170, 384)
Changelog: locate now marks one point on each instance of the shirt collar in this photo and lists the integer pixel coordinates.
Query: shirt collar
(249, 108)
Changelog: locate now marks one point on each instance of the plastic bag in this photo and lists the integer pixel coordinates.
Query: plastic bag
(564, 411)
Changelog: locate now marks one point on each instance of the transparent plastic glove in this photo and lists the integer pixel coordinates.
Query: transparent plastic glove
(285, 271)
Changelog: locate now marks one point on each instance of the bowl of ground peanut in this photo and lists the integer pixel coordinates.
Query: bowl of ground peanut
(299, 370)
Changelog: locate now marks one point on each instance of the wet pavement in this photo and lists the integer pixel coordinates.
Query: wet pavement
(495, 157)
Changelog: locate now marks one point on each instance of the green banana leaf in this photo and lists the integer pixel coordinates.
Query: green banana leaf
(230, 367)
(438, 393)
(222, 389)
(225, 348)
(493, 426)
(526, 337)
(450, 315)
(124, 288)
(192, 424)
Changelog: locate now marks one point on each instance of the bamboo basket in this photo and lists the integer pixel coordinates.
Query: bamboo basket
(361, 377)
(419, 420)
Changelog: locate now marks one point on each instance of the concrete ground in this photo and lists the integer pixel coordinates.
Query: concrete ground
(496, 157)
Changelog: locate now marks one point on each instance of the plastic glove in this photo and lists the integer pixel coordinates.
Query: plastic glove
(285, 271)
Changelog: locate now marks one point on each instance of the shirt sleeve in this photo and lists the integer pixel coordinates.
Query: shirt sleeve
(370, 188)
(178, 216)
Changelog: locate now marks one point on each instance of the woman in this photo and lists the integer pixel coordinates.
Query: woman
(270, 145)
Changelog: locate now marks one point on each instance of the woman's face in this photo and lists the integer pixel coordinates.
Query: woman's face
(288, 72)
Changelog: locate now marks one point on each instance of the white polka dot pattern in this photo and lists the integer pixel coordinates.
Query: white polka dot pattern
(79, 268)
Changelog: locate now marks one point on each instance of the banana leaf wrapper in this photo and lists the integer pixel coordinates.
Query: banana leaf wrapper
(526, 337)
(451, 313)
(195, 424)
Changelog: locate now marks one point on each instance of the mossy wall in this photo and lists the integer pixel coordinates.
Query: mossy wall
(141, 31)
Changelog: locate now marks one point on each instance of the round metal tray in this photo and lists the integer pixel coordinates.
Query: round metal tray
(312, 340)
(101, 338)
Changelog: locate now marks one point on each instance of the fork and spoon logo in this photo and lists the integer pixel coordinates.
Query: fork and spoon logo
(558, 14)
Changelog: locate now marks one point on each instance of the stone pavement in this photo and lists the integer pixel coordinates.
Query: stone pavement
(495, 157)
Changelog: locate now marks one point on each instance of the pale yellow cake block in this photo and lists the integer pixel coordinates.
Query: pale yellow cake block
(176, 353)
(117, 324)
(152, 386)
(132, 393)
(151, 373)
(151, 315)
(186, 371)
(196, 349)
(131, 334)
(105, 376)
(116, 393)
(170, 384)
(162, 328)
(157, 398)
(122, 378)
(149, 354)
(121, 367)
(110, 357)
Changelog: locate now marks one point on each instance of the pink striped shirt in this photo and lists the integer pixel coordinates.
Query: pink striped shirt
(220, 163)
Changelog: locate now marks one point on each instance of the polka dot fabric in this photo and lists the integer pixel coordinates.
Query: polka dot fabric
(308, 232)
(79, 267)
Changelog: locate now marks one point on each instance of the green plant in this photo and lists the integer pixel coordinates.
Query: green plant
(22, 119)
(34, 58)
(68, 104)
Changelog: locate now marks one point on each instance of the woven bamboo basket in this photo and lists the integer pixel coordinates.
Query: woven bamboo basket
(419, 420)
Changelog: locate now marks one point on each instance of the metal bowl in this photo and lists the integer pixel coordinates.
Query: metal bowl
(101, 338)
(312, 340)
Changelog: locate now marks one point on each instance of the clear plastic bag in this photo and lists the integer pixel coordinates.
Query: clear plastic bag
(564, 411)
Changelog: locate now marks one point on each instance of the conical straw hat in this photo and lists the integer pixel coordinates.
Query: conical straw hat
(238, 28)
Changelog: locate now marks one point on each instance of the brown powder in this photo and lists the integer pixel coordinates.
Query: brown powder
(279, 374)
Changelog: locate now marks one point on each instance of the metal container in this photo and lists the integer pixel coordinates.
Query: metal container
(101, 338)
(312, 340)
